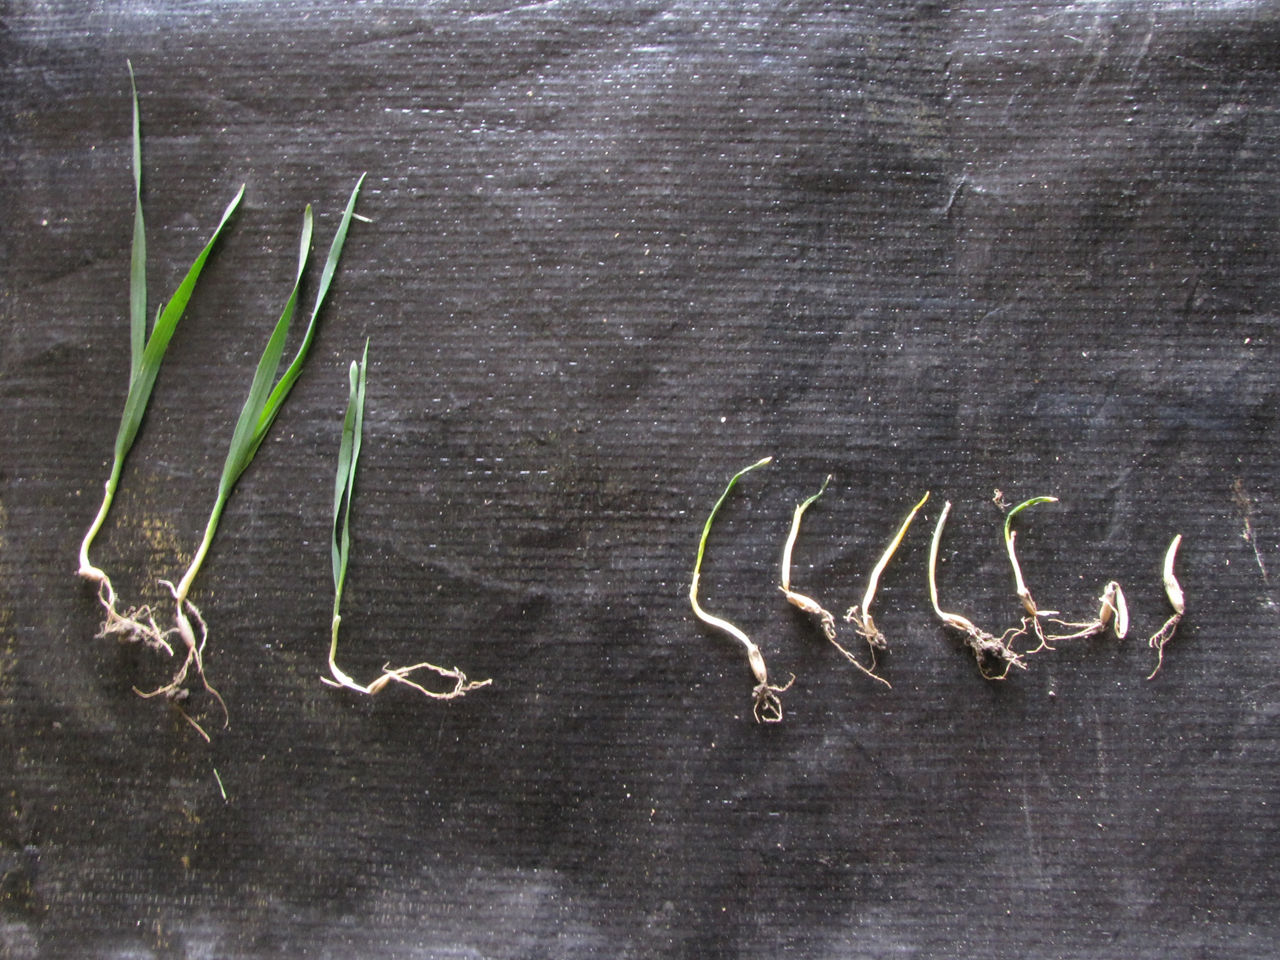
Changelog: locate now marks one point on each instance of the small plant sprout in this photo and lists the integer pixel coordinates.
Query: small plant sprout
(808, 604)
(146, 354)
(985, 646)
(799, 600)
(1113, 611)
(1176, 600)
(261, 407)
(861, 617)
(766, 707)
(344, 487)
(1020, 585)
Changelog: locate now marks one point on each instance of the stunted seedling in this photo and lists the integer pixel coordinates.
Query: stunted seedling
(766, 707)
(1173, 591)
(344, 487)
(986, 647)
(260, 409)
(807, 603)
(1020, 585)
(799, 600)
(1113, 611)
(146, 354)
(861, 617)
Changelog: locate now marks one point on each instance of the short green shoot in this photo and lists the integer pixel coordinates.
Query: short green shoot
(986, 647)
(766, 706)
(146, 354)
(1020, 585)
(261, 407)
(861, 617)
(1173, 590)
(344, 487)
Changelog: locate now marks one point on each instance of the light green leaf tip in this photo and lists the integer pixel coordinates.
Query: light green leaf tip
(1008, 517)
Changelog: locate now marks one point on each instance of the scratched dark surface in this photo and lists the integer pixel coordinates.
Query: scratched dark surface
(615, 255)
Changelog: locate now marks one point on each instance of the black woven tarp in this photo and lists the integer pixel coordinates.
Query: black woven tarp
(616, 253)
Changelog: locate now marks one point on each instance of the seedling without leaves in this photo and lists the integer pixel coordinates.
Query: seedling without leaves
(146, 354)
(986, 647)
(1020, 585)
(261, 407)
(1113, 610)
(766, 706)
(861, 617)
(1173, 591)
(344, 487)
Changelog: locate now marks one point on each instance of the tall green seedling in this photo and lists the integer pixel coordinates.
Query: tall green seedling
(260, 409)
(146, 354)
(343, 489)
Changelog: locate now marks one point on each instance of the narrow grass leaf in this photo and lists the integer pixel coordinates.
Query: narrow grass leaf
(242, 447)
(294, 370)
(1008, 517)
(141, 384)
(138, 255)
(345, 482)
(263, 403)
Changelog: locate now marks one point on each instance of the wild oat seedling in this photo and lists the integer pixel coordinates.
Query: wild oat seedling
(806, 603)
(344, 487)
(261, 407)
(1113, 610)
(766, 706)
(861, 617)
(1020, 585)
(1173, 591)
(985, 646)
(146, 354)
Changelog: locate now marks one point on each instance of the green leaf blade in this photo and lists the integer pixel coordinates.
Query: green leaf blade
(345, 482)
(138, 253)
(272, 407)
(141, 385)
(244, 441)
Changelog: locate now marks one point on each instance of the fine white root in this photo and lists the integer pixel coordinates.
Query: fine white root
(135, 625)
(341, 679)
(1113, 611)
(1177, 600)
(986, 647)
(175, 690)
(766, 706)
